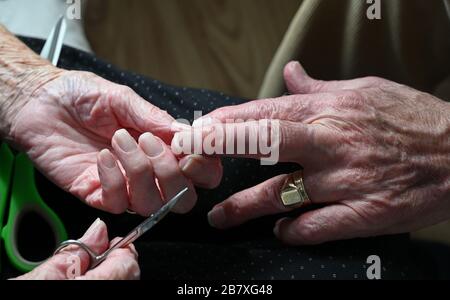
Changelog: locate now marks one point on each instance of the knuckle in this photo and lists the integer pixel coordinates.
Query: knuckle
(308, 234)
(351, 99)
(221, 113)
(112, 185)
(272, 106)
(374, 80)
(126, 90)
(139, 169)
(296, 109)
(233, 207)
(287, 138)
(272, 195)
(171, 172)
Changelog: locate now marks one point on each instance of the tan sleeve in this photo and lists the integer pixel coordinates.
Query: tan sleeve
(334, 39)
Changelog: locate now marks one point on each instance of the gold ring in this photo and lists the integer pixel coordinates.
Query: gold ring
(293, 192)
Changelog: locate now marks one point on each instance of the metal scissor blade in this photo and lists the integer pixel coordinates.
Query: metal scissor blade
(54, 43)
(131, 237)
(147, 224)
(158, 216)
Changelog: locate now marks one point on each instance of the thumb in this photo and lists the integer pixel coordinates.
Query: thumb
(72, 261)
(299, 82)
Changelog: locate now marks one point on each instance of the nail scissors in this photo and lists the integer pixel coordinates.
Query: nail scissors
(149, 223)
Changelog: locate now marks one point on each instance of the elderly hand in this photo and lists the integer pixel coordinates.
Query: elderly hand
(67, 128)
(81, 130)
(73, 263)
(73, 128)
(376, 158)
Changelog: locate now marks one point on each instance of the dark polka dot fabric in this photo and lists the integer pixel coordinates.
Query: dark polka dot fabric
(186, 247)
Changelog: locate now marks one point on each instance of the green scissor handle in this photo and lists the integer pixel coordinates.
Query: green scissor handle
(25, 198)
(6, 167)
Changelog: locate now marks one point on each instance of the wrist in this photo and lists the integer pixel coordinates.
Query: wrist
(22, 73)
(17, 92)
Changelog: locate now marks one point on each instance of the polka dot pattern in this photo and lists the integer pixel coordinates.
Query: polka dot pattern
(186, 247)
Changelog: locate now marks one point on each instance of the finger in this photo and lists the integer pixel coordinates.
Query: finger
(299, 82)
(331, 223)
(272, 141)
(121, 264)
(299, 108)
(170, 178)
(261, 200)
(72, 259)
(134, 112)
(205, 172)
(114, 193)
(144, 195)
(265, 199)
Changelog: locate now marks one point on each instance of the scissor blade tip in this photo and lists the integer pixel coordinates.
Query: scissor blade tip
(177, 198)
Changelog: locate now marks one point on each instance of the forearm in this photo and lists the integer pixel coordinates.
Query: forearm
(22, 72)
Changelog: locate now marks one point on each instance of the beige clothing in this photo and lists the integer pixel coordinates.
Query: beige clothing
(334, 39)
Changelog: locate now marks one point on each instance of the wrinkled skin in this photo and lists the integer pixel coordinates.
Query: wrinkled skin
(99, 141)
(72, 127)
(121, 264)
(376, 155)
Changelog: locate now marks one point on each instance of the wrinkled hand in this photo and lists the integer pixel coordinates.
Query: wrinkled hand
(81, 130)
(376, 156)
(73, 262)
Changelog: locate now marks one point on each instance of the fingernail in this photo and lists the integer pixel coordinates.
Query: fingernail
(125, 141)
(151, 145)
(298, 69)
(107, 159)
(293, 66)
(203, 122)
(276, 229)
(93, 229)
(217, 218)
(187, 163)
(177, 126)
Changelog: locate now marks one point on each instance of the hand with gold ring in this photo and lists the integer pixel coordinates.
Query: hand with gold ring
(375, 156)
(293, 192)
